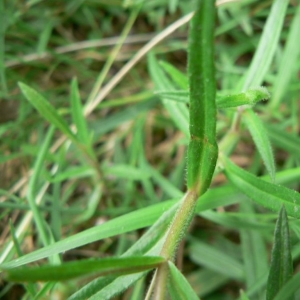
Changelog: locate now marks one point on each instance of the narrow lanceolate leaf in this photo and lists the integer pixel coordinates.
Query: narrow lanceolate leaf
(283, 139)
(261, 140)
(288, 62)
(250, 97)
(179, 287)
(32, 189)
(77, 114)
(281, 269)
(46, 110)
(267, 194)
(178, 77)
(203, 150)
(176, 95)
(177, 111)
(106, 266)
(289, 289)
(267, 45)
(143, 245)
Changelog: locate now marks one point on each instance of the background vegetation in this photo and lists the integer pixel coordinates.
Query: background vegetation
(129, 152)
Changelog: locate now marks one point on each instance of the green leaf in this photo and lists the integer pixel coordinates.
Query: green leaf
(104, 125)
(92, 204)
(255, 256)
(210, 281)
(267, 194)
(261, 140)
(78, 115)
(176, 95)
(281, 269)
(69, 270)
(289, 289)
(118, 286)
(173, 4)
(179, 287)
(93, 287)
(45, 37)
(126, 171)
(178, 111)
(46, 110)
(177, 76)
(249, 97)
(135, 220)
(73, 173)
(234, 220)
(216, 260)
(165, 184)
(111, 285)
(141, 218)
(33, 187)
(131, 221)
(283, 139)
(267, 45)
(288, 61)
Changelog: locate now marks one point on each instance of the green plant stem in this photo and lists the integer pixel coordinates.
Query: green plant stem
(175, 233)
(180, 223)
(159, 283)
(203, 150)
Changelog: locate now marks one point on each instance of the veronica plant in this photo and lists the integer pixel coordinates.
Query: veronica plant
(193, 104)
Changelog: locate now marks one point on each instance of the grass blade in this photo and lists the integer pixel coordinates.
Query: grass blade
(179, 287)
(267, 194)
(214, 198)
(139, 219)
(284, 140)
(176, 95)
(116, 287)
(177, 76)
(33, 188)
(216, 260)
(69, 270)
(281, 269)
(46, 110)
(255, 257)
(132, 221)
(267, 45)
(262, 142)
(178, 111)
(78, 115)
(92, 288)
(288, 61)
(290, 288)
(142, 246)
(31, 289)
